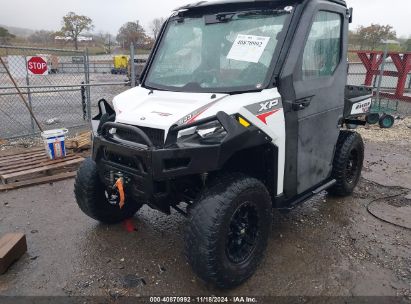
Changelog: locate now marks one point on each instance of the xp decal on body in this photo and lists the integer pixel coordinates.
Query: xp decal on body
(241, 108)
(263, 110)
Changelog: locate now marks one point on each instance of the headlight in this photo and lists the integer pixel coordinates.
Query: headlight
(209, 133)
(209, 129)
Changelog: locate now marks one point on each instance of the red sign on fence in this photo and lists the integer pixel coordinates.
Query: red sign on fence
(37, 65)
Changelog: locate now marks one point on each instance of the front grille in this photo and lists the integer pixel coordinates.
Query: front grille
(134, 162)
(155, 135)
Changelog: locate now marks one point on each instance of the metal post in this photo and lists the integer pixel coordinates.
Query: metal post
(381, 76)
(87, 79)
(84, 101)
(375, 82)
(132, 66)
(33, 131)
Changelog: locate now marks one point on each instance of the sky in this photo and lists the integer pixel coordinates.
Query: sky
(109, 15)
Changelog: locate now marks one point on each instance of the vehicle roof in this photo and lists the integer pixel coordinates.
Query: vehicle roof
(204, 4)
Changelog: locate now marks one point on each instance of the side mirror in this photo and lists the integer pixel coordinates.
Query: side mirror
(350, 12)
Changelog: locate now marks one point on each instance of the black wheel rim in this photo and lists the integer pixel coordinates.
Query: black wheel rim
(243, 233)
(352, 167)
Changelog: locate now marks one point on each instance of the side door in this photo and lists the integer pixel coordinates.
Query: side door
(312, 85)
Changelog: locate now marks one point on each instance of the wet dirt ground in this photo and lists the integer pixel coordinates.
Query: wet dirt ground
(325, 247)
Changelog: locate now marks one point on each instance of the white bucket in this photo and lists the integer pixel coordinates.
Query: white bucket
(54, 142)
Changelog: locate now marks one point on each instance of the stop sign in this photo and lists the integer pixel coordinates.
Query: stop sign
(37, 65)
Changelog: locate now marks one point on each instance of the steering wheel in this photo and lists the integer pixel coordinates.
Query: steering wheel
(252, 71)
(205, 76)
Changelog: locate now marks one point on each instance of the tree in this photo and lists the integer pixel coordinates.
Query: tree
(5, 36)
(74, 25)
(408, 45)
(43, 37)
(106, 40)
(155, 26)
(131, 32)
(371, 36)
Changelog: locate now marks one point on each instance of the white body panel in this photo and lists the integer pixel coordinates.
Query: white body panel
(163, 109)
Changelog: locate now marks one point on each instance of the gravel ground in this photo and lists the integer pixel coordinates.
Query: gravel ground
(325, 247)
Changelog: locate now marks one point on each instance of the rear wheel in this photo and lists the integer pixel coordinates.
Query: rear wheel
(372, 118)
(95, 201)
(348, 163)
(228, 230)
(387, 121)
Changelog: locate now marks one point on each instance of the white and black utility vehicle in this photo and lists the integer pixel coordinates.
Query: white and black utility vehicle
(242, 107)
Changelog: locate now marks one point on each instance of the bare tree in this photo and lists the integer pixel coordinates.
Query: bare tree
(108, 41)
(74, 25)
(155, 26)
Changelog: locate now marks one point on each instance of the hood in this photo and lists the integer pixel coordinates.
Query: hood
(161, 109)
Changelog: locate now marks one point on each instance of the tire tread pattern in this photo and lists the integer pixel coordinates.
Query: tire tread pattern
(89, 193)
(346, 141)
(205, 220)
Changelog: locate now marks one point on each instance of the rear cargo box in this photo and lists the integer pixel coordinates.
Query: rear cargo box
(358, 100)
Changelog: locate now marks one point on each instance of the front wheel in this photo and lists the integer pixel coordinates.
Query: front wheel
(348, 163)
(228, 230)
(93, 199)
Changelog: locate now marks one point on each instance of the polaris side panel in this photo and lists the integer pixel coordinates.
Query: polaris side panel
(312, 106)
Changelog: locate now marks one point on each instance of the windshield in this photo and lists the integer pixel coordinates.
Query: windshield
(226, 52)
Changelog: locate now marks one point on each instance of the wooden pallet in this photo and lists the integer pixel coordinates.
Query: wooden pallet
(81, 142)
(34, 167)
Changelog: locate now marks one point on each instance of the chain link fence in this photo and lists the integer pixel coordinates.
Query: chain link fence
(62, 87)
(54, 97)
(64, 94)
(389, 73)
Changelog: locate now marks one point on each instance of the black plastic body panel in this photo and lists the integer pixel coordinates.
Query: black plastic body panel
(311, 132)
(205, 4)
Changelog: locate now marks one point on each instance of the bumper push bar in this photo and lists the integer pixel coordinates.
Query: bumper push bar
(105, 133)
(149, 170)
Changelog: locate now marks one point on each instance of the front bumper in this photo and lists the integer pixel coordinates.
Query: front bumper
(149, 170)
